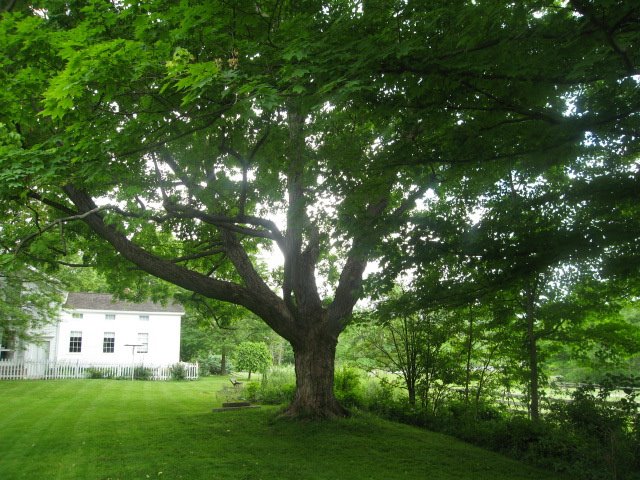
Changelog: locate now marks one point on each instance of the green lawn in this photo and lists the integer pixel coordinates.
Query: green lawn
(107, 429)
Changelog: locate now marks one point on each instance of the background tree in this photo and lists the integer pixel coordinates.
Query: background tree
(252, 357)
(415, 343)
(607, 344)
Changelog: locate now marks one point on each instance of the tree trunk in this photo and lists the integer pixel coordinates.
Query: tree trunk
(532, 351)
(314, 397)
(534, 407)
(467, 380)
(223, 361)
(411, 388)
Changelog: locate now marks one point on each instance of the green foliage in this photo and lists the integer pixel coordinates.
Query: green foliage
(29, 299)
(252, 357)
(276, 388)
(488, 148)
(606, 430)
(212, 365)
(95, 373)
(348, 386)
(178, 372)
(251, 391)
(141, 372)
(590, 437)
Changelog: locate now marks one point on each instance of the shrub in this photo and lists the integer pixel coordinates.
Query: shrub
(607, 440)
(379, 395)
(251, 391)
(177, 371)
(212, 365)
(278, 386)
(94, 373)
(347, 387)
(276, 395)
(142, 373)
(590, 436)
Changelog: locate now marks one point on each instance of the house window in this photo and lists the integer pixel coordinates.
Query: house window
(109, 342)
(110, 316)
(8, 349)
(75, 342)
(76, 315)
(144, 317)
(143, 340)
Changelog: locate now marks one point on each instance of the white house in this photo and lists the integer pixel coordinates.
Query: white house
(96, 329)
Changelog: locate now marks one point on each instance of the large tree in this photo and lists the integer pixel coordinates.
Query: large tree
(169, 137)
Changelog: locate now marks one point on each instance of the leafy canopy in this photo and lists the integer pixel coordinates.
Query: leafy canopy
(252, 357)
(174, 138)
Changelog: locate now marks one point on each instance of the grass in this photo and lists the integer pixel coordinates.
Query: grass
(107, 429)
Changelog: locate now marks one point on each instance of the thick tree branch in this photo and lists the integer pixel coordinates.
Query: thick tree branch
(244, 163)
(243, 264)
(270, 232)
(512, 107)
(305, 286)
(347, 292)
(585, 9)
(196, 256)
(267, 306)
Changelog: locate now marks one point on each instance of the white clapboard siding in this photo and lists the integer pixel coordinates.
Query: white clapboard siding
(18, 370)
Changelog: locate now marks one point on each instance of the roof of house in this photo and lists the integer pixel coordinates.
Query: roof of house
(105, 301)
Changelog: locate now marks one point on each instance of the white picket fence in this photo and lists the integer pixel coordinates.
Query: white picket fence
(22, 370)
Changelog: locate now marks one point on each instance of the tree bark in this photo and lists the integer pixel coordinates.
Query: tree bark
(470, 340)
(315, 366)
(223, 361)
(532, 351)
(411, 389)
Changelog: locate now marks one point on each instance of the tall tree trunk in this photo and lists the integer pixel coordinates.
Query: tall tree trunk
(483, 376)
(223, 360)
(469, 347)
(315, 366)
(411, 388)
(534, 407)
(532, 351)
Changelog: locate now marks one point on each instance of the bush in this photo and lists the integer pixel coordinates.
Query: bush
(251, 391)
(212, 365)
(276, 395)
(94, 373)
(591, 436)
(142, 373)
(379, 395)
(177, 372)
(605, 432)
(347, 387)
(277, 387)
